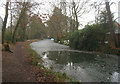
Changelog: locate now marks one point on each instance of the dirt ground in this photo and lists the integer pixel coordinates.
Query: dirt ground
(15, 66)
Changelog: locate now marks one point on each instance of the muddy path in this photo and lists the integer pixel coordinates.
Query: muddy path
(15, 66)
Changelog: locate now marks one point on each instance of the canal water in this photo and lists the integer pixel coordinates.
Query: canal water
(80, 66)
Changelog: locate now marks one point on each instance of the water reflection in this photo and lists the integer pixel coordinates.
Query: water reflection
(47, 63)
(115, 76)
(83, 67)
(45, 55)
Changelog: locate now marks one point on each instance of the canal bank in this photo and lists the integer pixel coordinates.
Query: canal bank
(44, 74)
(80, 66)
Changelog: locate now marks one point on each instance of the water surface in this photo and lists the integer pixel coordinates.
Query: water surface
(80, 66)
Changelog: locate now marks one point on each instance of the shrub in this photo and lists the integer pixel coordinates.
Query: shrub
(88, 38)
(74, 39)
(8, 36)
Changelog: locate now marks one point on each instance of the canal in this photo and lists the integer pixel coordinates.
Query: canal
(78, 65)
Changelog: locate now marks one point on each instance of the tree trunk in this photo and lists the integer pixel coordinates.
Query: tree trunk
(4, 23)
(24, 27)
(18, 22)
(75, 16)
(11, 18)
(112, 33)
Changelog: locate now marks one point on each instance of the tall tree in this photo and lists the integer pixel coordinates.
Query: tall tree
(37, 29)
(19, 20)
(11, 17)
(57, 24)
(112, 33)
(25, 8)
(77, 9)
(75, 15)
(4, 23)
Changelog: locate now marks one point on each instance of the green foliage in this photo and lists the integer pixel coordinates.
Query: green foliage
(41, 66)
(37, 29)
(93, 37)
(51, 67)
(8, 36)
(63, 41)
(88, 38)
(74, 39)
(61, 75)
(34, 62)
(58, 25)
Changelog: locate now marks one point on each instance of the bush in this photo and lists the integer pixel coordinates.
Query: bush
(74, 39)
(88, 38)
(8, 36)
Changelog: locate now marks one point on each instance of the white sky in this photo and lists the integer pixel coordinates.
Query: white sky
(47, 7)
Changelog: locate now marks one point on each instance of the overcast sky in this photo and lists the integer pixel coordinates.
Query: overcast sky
(47, 7)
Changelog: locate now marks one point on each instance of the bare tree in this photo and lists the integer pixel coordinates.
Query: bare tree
(18, 21)
(4, 23)
(11, 16)
(25, 8)
(77, 9)
(112, 33)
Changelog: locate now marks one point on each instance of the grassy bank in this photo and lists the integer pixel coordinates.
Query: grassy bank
(43, 74)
